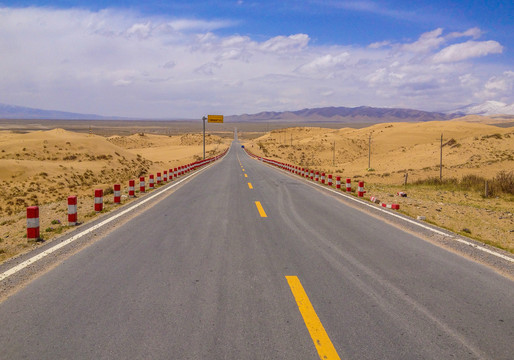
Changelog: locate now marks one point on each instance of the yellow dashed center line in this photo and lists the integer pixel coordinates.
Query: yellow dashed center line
(246, 175)
(250, 185)
(260, 209)
(318, 334)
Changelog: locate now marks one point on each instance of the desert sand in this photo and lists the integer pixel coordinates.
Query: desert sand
(45, 167)
(470, 148)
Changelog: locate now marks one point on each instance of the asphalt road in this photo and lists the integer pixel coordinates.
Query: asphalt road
(203, 275)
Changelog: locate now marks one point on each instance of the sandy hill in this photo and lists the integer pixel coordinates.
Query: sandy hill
(494, 119)
(44, 166)
(395, 148)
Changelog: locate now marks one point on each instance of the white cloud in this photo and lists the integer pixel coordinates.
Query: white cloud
(469, 49)
(325, 62)
(426, 42)
(475, 33)
(379, 44)
(282, 44)
(123, 63)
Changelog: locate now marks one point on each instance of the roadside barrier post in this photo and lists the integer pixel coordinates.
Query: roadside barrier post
(338, 182)
(312, 174)
(330, 180)
(360, 189)
(151, 182)
(72, 210)
(142, 184)
(33, 223)
(170, 173)
(175, 173)
(165, 176)
(322, 178)
(117, 193)
(132, 185)
(348, 185)
(99, 200)
(158, 178)
(317, 175)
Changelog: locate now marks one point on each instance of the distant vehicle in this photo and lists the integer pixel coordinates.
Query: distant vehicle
(242, 146)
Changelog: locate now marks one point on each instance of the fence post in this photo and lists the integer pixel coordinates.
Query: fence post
(72, 210)
(142, 184)
(117, 193)
(99, 200)
(33, 223)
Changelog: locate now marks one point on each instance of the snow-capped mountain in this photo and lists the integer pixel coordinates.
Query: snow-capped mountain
(487, 108)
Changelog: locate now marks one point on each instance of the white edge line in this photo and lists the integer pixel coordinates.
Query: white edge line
(403, 218)
(53, 249)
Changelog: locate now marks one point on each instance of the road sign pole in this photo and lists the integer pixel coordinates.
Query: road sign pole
(204, 118)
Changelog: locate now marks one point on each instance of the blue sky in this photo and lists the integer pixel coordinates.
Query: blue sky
(186, 59)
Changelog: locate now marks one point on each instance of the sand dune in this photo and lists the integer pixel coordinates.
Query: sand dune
(45, 167)
(395, 148)
(413, 148)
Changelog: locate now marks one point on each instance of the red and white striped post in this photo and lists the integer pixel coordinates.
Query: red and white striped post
(175, 173)
(170, 173)
(159, 178)
(142, 184)
(338, 182)
(151, 182)
(99, 200)
(303, 172)
(312, 174)
(330, 180)
(317, 175)
(132, 185)
(322, 177)
(348, 184)
(72, 210)
(117, 193)
(33, 223)
(165, 176)
(360, 189)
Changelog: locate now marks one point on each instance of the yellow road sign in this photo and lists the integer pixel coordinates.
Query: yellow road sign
(215, 118)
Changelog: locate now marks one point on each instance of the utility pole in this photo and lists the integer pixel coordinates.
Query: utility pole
(204, 118)
(334, 155)
(441, 161)
(369, 152)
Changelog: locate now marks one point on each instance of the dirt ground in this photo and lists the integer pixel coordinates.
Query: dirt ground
(44, 167)
(397, 149)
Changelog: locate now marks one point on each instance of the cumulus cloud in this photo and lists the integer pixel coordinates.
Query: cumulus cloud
(469, 49)
(124, 63)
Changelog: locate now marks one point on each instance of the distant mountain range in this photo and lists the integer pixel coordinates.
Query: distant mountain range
(21, 112)
(361, 114)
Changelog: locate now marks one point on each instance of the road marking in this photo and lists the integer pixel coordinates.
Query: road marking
(318, 334)
(246, 175)
(260, 209)
(462, 241)
(53, 249)
(243, 169)
(250, 185)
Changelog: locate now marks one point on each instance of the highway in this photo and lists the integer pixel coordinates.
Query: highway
(244, 261)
